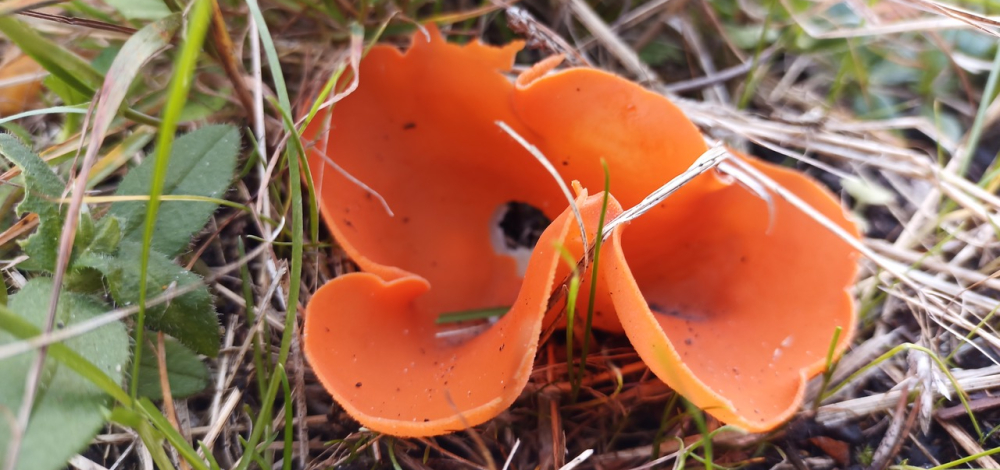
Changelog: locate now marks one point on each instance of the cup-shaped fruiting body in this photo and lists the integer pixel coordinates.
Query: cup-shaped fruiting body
(732, 303)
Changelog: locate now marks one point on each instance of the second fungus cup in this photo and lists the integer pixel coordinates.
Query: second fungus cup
(733, 309)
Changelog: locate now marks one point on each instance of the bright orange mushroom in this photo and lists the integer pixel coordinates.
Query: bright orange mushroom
(731, 309)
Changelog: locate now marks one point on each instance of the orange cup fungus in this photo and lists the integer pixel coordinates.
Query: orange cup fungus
(732, 308)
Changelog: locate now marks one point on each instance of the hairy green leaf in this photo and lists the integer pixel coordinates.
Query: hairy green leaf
(190, 318)
(101, 237)
(68, 409)
(186, 374)
(41, 187)
(202, 163)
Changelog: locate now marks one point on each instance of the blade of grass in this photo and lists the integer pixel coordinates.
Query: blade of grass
(572, 293)
(706, 441)
(830, 366)
(571, 296)
(79, 109)
(263, 416)
(153, 440)
(977, 124)
(294, 155)
(286, 455)
(295, 179)
(965, 460)
(212, 463)
(180, 85)
(473, 314)
(258, 357)
(151, 413)
(598, 243)
(272, 56)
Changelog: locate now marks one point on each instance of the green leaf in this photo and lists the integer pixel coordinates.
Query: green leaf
(202, 163)
(69, 409)
(41, 187)
(190, 318)
(186, 373)
(103, 237)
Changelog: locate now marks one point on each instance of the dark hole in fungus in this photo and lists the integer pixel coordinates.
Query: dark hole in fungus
(522, 225)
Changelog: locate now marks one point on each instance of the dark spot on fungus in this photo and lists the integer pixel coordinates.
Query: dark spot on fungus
(688, 341)
(348, 223)
(503, 346)
(565, 163)
(409, 125)
(426, 419)
(357, 384)
(326, 328)
(406, 220)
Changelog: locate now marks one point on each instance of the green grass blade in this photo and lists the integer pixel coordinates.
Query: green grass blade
(286, 455)
(293, 154)
(571, 297)
(472, 314)
(250, 448)
(977, 125)
(152, 413)
(598, 243)
(177, 96)
(79, 109)
(272, 56)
